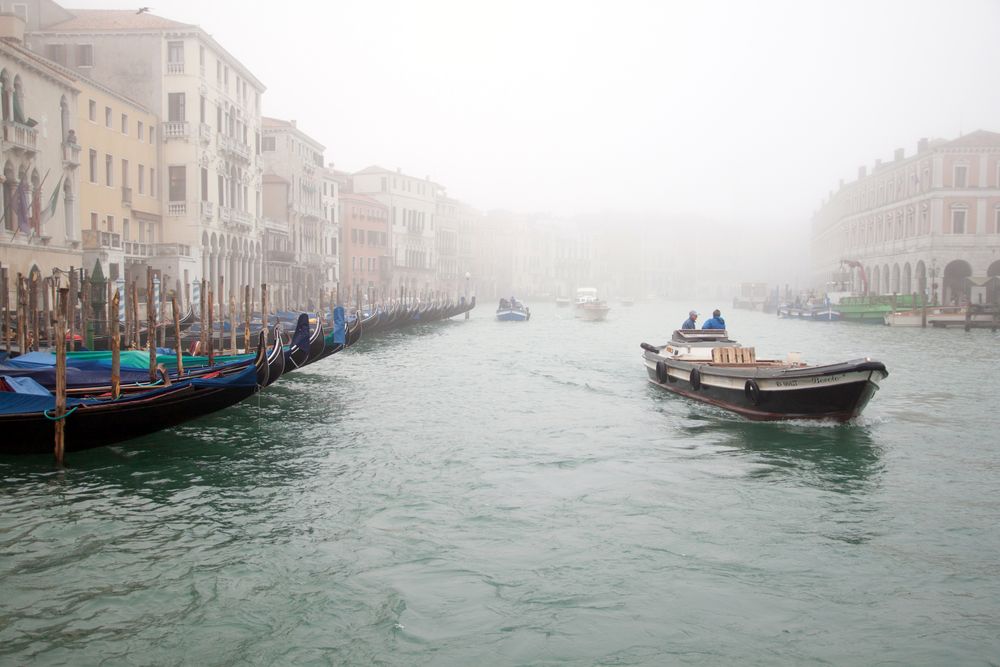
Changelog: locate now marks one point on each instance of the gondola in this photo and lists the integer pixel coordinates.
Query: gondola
(27, 424)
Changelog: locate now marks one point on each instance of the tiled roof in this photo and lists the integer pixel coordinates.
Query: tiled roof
(88, 20)
(975, 139)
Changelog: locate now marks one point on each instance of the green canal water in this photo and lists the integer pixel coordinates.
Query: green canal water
(484, 493)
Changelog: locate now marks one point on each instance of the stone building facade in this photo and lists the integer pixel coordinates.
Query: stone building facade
(920, 224)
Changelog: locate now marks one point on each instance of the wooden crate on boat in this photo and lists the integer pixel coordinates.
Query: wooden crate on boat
(734, 355)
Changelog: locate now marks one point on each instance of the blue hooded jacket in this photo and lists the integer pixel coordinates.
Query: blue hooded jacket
(714, 323)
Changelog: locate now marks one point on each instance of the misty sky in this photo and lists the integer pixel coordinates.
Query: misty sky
(743, 112)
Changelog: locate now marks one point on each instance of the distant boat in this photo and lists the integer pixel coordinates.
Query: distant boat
(513, 311)
(563, 301)
(593, 310)
(935, 314)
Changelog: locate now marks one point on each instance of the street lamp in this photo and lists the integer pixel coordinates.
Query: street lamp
(467, 276)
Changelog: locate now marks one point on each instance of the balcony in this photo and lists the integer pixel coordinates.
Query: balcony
(175, 68)
(134, 249)
(205, 133)
(172, 250)
(94, 239)
(71, 155)
(175, 129)
(207, 211)
(241, 220)
(177, 208)
(20, 136)
(284, 256)
(234, 147)
(126, 196)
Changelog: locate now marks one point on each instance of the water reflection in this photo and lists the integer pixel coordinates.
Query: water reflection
(842, 458)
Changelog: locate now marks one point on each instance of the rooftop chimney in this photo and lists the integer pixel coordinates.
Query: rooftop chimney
(293, 123)
(922, 145)
(12, 28)
(898, 155)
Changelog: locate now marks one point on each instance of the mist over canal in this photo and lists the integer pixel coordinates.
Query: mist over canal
(479, 492)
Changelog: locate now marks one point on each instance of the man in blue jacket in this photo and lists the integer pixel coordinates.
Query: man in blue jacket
(716, 322)
(689, 323)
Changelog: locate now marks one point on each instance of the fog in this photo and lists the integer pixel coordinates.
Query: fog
(742, 116)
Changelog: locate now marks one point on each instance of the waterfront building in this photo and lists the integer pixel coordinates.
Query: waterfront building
(119, 203)
(208, 103)
(411, 205)
(456, 225)
(333, 184)
(40, 229)
(365, 263)
(297, 160)
(920, 224)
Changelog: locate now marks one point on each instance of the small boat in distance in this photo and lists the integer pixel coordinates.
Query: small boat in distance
(563, 301)
(588, 306)
(705, 365)
(594, 310)
(513, 311)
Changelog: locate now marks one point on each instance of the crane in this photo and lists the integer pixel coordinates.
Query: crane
(854, 264)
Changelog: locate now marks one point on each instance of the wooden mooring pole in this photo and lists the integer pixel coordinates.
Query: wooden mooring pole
(60, 423)
(177, 333)
(211, 328)
(116, 358)
(263, 310)
(150, 324)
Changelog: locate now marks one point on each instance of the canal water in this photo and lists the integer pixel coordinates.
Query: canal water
(479, 493)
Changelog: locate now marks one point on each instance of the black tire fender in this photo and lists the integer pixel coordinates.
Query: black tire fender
(661, 372)
(752, 391)
(695, 379)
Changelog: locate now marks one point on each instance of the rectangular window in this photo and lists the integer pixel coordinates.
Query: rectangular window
(93, 221)
(267, 144)
(201, 57)
(175, 53)
(111, 223)
(92, 111)
(175, 107)
(141, 179)
(109, 170)
(178, 183)
(958, 221)
(222, 191)
(961, 172)
(124, 124)
(125, 181)
(84, 55)
(152, 135)
(201, 109)
(152, 182)
(56, 53)
(93, 166)
(107, 117)
(204, 184)
(139, 131)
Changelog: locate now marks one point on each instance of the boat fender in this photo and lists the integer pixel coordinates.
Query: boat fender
(752, 391)
(695, 379)
(661, 372)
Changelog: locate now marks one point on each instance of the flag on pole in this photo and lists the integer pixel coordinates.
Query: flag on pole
(21, 206)
(50, 208)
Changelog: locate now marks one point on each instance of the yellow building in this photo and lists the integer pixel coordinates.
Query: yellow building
(119, 204)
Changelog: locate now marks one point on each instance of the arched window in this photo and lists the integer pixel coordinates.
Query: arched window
(5, 94)
(9, 187)
(19, 116)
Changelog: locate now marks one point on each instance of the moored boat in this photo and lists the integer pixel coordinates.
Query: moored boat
(935, 316)
(707, 366)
